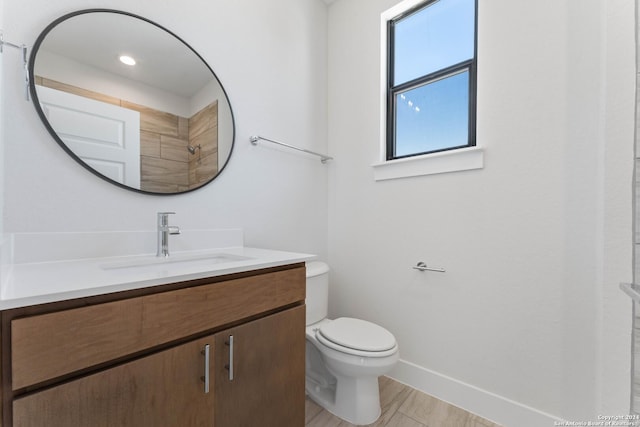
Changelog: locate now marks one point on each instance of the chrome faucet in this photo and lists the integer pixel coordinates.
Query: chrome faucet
(164, 230)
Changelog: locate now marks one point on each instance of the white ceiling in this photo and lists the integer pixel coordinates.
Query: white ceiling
(98, 39)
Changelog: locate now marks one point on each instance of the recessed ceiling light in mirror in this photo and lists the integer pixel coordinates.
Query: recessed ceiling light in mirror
(127, 60)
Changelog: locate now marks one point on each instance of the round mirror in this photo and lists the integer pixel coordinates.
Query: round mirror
(131, 101)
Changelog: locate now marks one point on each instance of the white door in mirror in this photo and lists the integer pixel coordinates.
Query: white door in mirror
(104, 136)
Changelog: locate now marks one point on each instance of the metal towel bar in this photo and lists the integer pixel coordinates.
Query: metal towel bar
(25, 61)
(323, 157)
(632, 290)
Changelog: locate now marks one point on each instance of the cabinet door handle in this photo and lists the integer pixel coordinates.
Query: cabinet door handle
(229, 367)
(205, 379)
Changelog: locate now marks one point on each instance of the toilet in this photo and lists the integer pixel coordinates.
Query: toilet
(345, 356)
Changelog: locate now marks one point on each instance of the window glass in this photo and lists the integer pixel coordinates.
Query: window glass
(433, 116)
(431, 78)
(433, 38)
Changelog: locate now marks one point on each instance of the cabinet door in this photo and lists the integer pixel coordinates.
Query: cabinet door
(267, 363)
(163, 389)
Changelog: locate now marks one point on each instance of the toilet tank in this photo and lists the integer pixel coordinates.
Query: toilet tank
(317, 291)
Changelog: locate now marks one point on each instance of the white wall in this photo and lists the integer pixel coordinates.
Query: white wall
(617, 193)
(528, 319)
(271, 59)
(3, 245)
(2, 130)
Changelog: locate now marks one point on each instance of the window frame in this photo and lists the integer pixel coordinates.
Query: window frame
(392, 90)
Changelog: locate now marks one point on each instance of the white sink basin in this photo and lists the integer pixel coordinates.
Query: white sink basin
(201, 260)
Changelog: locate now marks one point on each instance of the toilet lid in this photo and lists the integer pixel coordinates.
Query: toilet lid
(358, 334)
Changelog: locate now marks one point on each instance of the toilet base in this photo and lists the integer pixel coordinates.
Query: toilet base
(356, 400)
(343, 383)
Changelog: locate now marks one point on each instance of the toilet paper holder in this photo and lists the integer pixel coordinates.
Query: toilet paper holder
(422, 266)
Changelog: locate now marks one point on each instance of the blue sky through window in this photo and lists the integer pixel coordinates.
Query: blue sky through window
(434, 38)
(434, 116)
(434, 113)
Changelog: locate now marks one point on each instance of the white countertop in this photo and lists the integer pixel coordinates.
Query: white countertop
(33, 283)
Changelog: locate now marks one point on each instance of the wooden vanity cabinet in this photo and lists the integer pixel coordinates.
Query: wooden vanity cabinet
(255, 365)
(163, 389)
(264, 386)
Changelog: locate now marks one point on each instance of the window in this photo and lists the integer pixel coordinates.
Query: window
(431, 78)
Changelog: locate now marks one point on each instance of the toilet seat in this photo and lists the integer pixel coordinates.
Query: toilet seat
(357, 337)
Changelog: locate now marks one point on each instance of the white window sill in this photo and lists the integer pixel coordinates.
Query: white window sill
(430, 164)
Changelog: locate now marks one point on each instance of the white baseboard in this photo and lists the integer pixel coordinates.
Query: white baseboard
(493, 407)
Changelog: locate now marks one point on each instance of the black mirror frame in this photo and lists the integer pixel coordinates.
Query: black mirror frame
(45, 121)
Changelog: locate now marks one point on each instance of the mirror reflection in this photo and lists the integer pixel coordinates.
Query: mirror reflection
(131, 102)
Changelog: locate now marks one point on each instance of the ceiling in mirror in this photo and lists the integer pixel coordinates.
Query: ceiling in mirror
(161, 124)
